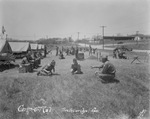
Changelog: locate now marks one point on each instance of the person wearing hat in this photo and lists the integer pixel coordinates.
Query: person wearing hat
(108, 70)
(75, 67)
(47, 69)
(61, 56)
(24, 61)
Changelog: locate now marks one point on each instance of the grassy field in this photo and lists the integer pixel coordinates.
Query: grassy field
(123, 100)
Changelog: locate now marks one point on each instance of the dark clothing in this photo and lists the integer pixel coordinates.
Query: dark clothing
(24, 61)
(67, 51)
(106, 77)
(49, 68)
(76, 53)
(76, 68)
(61, 56)
(90, 50)
(108, 72)
(57, 48)
(29, 58)
(108, 68)
(122, 55)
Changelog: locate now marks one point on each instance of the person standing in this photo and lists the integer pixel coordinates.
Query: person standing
(57, 49)
(76, 52)
(90, 50)
(62, 49)
(67, 51)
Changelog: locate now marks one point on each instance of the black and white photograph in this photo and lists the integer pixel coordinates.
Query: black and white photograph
(74, 59)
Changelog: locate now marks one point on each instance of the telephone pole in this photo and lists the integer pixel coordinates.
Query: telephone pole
(85, 40)
(137, 36)
(6, 36)
(103, 34)
(78, 35)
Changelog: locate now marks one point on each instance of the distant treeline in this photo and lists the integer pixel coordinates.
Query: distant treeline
(54, 40)
(16, 40)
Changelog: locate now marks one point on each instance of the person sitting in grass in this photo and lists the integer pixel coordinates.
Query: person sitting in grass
(108, 70)
(24, 62)
(47, 69)
(61, 56)
(122, 55)
(75, 67)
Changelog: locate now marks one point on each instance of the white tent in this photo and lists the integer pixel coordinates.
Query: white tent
(5, 52)
(18, 47)
(34, 46)
(43, 47)
(5, 46)
(39, 46)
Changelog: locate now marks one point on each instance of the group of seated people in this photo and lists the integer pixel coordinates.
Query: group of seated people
(49, 69)
(30, 58)
(106, 74)
(119, 53)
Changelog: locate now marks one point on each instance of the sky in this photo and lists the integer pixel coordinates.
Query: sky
(34, 19)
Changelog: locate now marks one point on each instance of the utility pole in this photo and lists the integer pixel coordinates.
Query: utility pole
(97, 39)
(113, 40)
(137, 35)
(6, 36)
(103, 34)
(85, 40)
(78, 35)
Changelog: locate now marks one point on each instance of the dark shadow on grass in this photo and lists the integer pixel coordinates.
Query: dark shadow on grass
(81, 59)
(6, 67)
(54, 74)
(34, 70)
(110, 81)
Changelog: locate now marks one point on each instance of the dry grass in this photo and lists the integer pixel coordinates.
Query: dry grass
(123, 100)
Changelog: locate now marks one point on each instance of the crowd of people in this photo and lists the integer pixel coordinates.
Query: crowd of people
(106, 71)
(73, 51)
(32, 59)
(119, 53)
(69, 51)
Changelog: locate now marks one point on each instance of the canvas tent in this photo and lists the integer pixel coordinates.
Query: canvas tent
(20, 49)
(39, 46)
(43, 47)
(5, 52)
(5, 47)
(34, 47)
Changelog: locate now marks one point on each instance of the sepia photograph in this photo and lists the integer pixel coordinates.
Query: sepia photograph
(74, 59)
